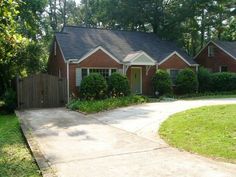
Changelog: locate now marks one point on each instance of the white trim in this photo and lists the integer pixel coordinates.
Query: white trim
(220, 68)
(147, 69)
(176, 53)
(139, 55)
(202, 50)
(92, 52)
(61, 51)
(68, 81)
(216, 46)
(141, 78)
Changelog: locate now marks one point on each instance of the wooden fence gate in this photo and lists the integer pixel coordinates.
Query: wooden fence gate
(41, 91)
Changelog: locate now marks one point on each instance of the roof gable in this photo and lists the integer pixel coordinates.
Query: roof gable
(228, 47)
(139, 58)
(176, 53)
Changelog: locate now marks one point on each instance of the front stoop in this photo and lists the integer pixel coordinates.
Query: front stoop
(42, 162)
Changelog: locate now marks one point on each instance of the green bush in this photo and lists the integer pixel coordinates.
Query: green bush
(162, 83)
(204, 80)
(118, 85)
(186, 82)
(106, 104)
(93, 87)
(223, 82)
(9, 99)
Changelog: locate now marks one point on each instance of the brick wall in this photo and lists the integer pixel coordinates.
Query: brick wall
(56, 62)
(174, 62)
(220, 59)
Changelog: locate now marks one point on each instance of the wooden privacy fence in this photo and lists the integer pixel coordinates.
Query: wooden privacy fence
(41, 91)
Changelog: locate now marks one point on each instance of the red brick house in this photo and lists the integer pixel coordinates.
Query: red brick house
(219, 56)
(79, 51)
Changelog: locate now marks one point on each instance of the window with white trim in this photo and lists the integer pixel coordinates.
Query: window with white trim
(103, 71)
(173, 75)
(223, 68)
(211, 52)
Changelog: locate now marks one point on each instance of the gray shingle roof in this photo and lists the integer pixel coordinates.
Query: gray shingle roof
(76, 42)
(229, 47)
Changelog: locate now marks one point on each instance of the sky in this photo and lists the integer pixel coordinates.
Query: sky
(77, 1)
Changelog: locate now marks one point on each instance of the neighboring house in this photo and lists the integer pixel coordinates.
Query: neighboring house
(79, 51)
(219, 56)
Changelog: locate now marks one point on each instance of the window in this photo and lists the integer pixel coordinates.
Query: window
(103, 72)
(113, 71)
(173, 74)
(84, 73)
(81, 73)
(224, 69)
(211, 51)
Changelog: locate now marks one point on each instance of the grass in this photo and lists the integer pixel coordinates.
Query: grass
(210, 95)
(107, 104)
(209, 131)
(15, 158)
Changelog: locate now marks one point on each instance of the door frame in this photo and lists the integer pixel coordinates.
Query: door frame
(141, 78)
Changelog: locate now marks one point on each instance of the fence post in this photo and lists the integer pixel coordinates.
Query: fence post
(18, 91)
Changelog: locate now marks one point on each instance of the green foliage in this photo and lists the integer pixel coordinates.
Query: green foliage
(186, 82)
(15, 158)
(118, 85)
(209, 131)
(107, 104)
(9, 99)
(162, 83)
(93, 87)
(223, 82)
(204, 80)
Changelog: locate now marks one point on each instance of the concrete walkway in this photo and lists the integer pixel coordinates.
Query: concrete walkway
(118, 143)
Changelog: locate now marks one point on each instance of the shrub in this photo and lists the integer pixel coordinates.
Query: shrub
(204, 80)
(186, 82)
(223, 82)
(9, 99)
(93, 87)
(118, 85)
(162, 83)
(106, 104)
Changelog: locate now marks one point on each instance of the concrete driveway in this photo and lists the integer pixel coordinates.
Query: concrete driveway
(118, 143)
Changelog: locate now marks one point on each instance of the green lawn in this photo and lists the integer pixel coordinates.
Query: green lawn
(208, 96)
(15, 158)
(107, 104)
(209, 131)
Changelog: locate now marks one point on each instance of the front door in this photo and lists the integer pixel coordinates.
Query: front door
(136, 83)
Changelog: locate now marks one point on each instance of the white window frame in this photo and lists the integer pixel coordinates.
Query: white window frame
(220, 68)
(169, 70)
(88, 71)
(211, 52)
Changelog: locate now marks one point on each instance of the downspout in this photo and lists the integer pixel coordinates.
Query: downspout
(157, 66)
(68, 80)
(197, 68)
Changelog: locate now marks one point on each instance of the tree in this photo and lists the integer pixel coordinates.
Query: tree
(9, 41)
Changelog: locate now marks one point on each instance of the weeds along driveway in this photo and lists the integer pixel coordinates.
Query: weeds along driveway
(103, 145)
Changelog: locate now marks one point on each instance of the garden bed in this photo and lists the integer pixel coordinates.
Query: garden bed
(209, 131)
(95, 106)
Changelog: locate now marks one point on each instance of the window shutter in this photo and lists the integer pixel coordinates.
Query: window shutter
(78, 76)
